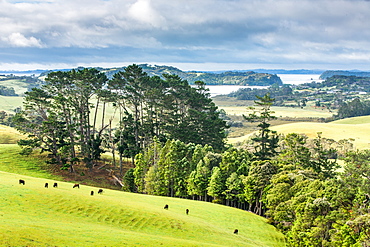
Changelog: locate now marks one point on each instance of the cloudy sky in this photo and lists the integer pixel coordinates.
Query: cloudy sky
(188, 34)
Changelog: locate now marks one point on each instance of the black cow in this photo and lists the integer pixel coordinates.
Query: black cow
(46, 185)
(187, 211)
(92, 193)
(55, 185)
(21, 181)
(76, 186)
(100, 191)
(166, 206)
(236, 231)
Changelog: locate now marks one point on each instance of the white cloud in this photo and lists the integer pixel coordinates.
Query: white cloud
(143, 11)
(19, 40)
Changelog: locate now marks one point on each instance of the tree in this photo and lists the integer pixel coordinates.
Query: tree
(143, 161)
(234, 189)
(216, 185)
(235, 160)
(198, 181)
(266, 140)
(256, 184)
(294, 151)
(322, 159)
(129, 86)
(73, 92)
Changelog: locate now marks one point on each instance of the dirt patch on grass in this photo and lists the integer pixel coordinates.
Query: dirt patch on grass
(100, 175)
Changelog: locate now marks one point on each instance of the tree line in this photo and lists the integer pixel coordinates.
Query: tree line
(61, 117)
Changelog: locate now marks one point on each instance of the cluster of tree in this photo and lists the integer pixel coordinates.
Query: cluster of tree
(61, 117)
(330, 73)
(353, 108)
(249, 78)
(320, 208)
(342, 83)
(279, 92)
(7, 91)
(294, 182)
(6, 118)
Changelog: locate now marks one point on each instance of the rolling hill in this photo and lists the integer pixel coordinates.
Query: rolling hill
(32, 215)
(357, 128)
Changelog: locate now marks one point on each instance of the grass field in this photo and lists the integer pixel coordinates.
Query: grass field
(9, 135)
(335, 130)
(20, 86)
(32, 215)
(9, 103)
(354, 120)
(291, 112)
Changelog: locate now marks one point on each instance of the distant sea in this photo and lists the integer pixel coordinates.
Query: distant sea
(294, 79)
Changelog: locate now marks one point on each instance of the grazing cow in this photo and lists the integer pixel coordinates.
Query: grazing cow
(166, 206)
(187, 211)
(100, 191)
(46, 185)
(55, 185)
(92, 193)
(21, 181)
(76, 186)
(236, 231)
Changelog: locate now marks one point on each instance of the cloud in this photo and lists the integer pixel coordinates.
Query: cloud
(143, 11)
(207, 31)
(19, 40)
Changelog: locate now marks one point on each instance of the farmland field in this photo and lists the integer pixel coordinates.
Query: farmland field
(336, 131)
(290, 112)
(32, 215)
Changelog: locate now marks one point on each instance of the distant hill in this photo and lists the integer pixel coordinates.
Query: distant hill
(330, 73)
(249, 78)
(242, 78)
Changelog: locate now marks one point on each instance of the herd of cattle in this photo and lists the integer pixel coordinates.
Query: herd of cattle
(100, 191)
(55, 185)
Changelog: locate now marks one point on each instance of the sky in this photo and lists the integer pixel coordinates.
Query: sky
(202, 35)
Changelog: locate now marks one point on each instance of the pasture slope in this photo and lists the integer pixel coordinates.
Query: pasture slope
(32, 215)
(357, 128)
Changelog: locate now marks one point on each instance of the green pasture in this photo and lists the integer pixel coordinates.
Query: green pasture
(20, 86)
(354, 120)
(10, 103)
(32, 215)
(360, 133)
(31, 165)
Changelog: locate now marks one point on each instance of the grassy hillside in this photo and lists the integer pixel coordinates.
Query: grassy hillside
(9, 103)
(9, 135)
(354, 120)
(32, 215)
(338, 130)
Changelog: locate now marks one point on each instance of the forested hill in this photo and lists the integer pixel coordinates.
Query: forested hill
(330, 73)
(249, 78)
